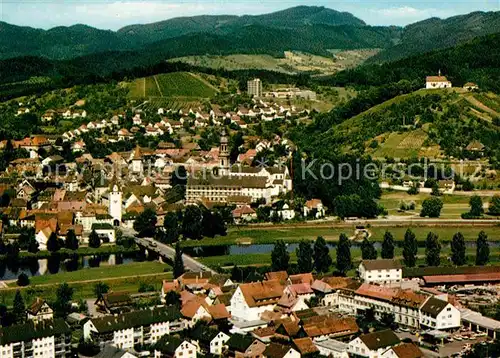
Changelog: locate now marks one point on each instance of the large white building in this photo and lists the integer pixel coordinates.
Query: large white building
(382, 272)
(138, 327)
(46, 338)
(254, 87)
(237, 181)
(410, 309)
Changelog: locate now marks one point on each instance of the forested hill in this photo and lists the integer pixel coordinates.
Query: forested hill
(434, 34)
(303, 24)
(286, 19)
(304, 28)
(476, 61)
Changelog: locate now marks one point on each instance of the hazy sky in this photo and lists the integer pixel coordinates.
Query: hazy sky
(113, 14)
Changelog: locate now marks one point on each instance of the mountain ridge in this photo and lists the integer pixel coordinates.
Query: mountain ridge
(435, 33)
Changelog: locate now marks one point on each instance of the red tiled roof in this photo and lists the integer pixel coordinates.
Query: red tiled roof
(171, 286)
(324, 325)
(436, 79)
(305, 345)
(218, 311)
(383, 293)
(489, 277)
(407, 350)
(302, 278)
(262, 293)
(313, 203)
(277, 275)
(300, 289)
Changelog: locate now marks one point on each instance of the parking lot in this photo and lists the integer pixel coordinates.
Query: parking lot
(450, 347)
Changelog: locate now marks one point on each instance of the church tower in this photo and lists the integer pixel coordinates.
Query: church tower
(137, 166)
(115, 205)
(223, 154)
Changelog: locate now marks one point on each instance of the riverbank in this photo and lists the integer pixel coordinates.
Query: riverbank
(121, 278)
(108, 249)
(260, 259)
(248, 235)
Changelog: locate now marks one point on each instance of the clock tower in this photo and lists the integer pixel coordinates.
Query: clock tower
(115, 205)
(224, 154)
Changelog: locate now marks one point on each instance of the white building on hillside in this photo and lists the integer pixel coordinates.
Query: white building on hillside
(433, 82)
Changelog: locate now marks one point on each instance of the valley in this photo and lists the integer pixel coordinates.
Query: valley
(299, 183)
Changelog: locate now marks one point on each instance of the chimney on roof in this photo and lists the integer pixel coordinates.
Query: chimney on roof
(439, 73)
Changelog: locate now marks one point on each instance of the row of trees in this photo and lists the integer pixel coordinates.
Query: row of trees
(309, 258)
(317, 257)
(432, 249)
(432, 207)
(193, 223)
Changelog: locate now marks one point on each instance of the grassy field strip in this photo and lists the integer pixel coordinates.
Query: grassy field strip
(100, 273)
(265, 259)
(295, 234)
(84, 290)
(126, 278)
(158, 85)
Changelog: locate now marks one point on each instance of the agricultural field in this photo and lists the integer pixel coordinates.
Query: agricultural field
(453, 205)
(182, 85)
(403, 145)
(172, 103)
(291, 62)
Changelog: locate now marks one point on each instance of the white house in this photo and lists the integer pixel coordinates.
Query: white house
(42, 237)
(105, 231)
(276, 350)
(439, 314)
(250, 300)
(314, 207)
(209, 340)
(284, 212)
(39, 311)
(372, 345)
(383, 272)
(173, 347)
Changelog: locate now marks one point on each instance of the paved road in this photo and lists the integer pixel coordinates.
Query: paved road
(167, 251)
